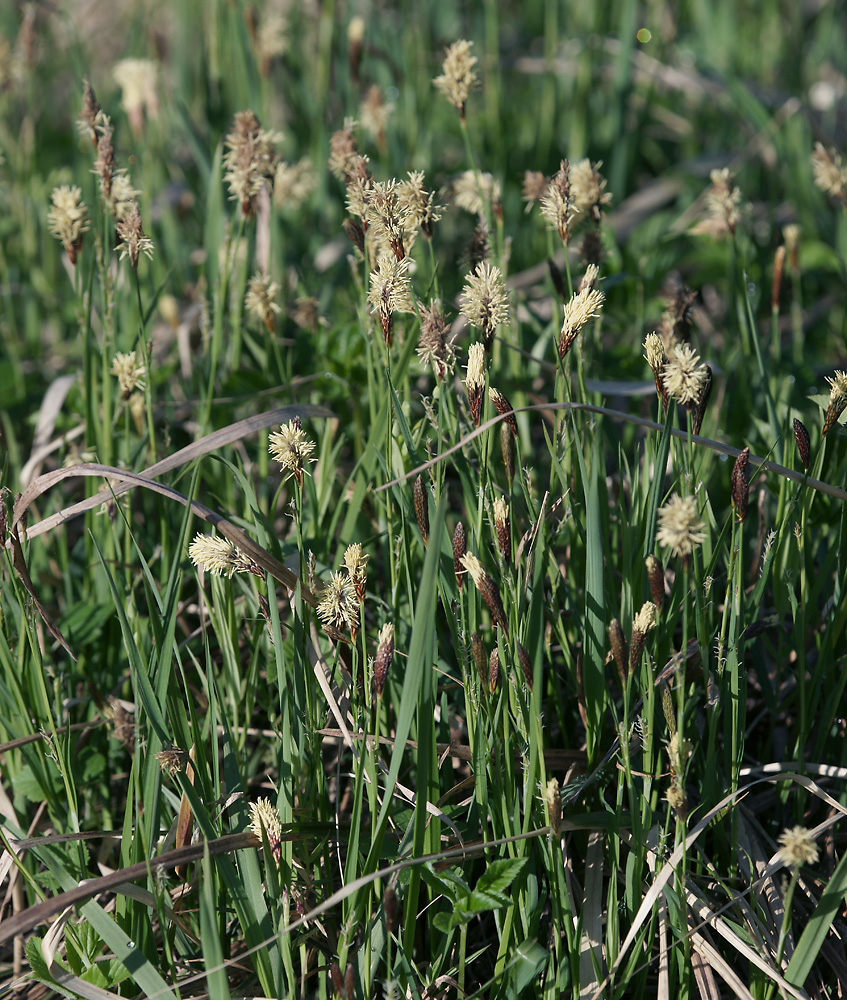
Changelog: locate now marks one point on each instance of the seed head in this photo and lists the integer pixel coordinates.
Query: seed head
(588, 189)
(172, 760)
(553, 798)
(384, 656)
(680, 528)
(339, 608)
(129, 373)
(219, 556)
(260, 300)
(473, 190)
(776, 284)
(122, 195)
(292, 449)
(503, 529)
(475, 380)
(137, 79)
(133, 241)
(654, 355)
(434, 345)
(557, 203)
(643, 622)
(383, 213)
(67, 219)
(389, 906)
(504, 408)
(487, 588)
(723, 206)
(104, 163)
(264, 816)
(250, 160)
(479, 658)
(458, 76)
(484, 302)
(829, 173)
(683, 377)
(618, 646)
(582, 307)
(797, 847)
(656, 579)
(417, 204)
(676, 319)
(524, 663)
(343, 152)
(739, 486)
(535, 186)
(801, 436)
(390, 291)
(698, 410)
(837, 401)
(676, 798)
(493, 670)
(421, 508)
(374, 114)
(89, 117)
(459, 549)
(356, 563)
(791, 235)
(294, 183)
(507, 449)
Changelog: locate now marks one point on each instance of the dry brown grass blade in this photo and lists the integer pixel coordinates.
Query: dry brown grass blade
(711, 961)
(211, 442)
(185, 818)
(51, 407)
(25, 921)
(128, 480)
(355, 885)
(769, 773)
(717, 446)
(592, 965)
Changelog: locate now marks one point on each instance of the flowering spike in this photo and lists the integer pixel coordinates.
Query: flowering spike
(618, 644)
(487, 588)
(801, 436)
(524, 663)
(478, 655)
(740, 488)
(493, 670)
(656, 578)
(421, 508)
(680, 528)
(503, 529)
(459, 549)
(384, 657)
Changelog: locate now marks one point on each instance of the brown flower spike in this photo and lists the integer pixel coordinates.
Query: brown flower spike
(384, 656)
(459, 549)
(487, 588)
(739, 486)
(618, 645)
(421, 508)
(801, 436)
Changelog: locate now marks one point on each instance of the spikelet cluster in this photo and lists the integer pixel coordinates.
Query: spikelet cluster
(458, 76)
(264, 818)
(219, 556)
(680, 527)
(484, 302)
(250, 160)
(292, 449)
